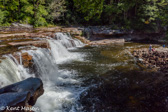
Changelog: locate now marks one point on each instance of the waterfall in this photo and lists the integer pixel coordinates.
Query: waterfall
(11, 71)
(45, 65)
(62, 89)
(68, 41)
(60, 52)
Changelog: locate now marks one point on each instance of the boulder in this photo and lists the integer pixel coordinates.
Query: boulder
(14, 101)
(32, 85)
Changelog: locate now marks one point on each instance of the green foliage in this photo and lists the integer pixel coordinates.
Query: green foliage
(2, 17)
(124, 14)
(40, 22)
(25, 11)
(39, 18)
(57, 8)
(136, 14)
(92, 9)
(163, 15)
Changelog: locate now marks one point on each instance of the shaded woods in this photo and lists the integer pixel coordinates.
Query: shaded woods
(118, 13)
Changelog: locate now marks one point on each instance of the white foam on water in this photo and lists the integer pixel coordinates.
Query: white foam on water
(62, 88)
(68, 41)
(62, 96)
(11, 71)
(60, 52)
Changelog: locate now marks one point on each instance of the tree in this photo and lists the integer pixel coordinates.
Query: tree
(90, 9)
(39, 13)
(127, 13)
(2, 17)
(163, 9)
(58, 9)
(133, 14)
(25, 11)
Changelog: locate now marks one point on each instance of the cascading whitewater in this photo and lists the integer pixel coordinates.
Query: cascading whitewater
(45, 63)
(11, 71)
(61, 87)
(60, 91)
(68, 41)
(60, 53)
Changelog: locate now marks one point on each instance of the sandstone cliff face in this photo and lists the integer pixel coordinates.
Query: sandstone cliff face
(21, 94)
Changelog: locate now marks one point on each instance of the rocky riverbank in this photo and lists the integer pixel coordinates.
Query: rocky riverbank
(23, 35)
(21, 96)
(106, 32)
(92, 33)
(157, 58)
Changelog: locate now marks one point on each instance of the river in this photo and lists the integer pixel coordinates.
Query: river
(88, 79)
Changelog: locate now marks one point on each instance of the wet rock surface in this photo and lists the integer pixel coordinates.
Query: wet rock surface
(23, 93)
(12, 101)
(26, 59)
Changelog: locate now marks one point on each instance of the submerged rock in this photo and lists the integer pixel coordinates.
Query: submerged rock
(32, 85)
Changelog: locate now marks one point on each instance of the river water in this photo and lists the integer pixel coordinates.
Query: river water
(89, 79)
(115, 82)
